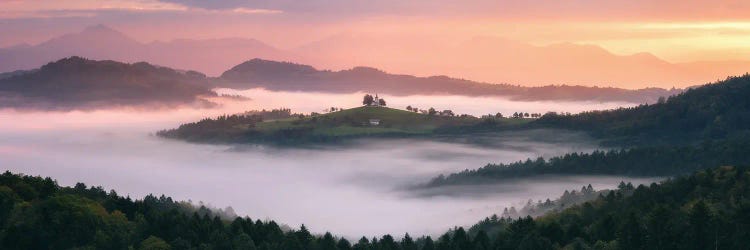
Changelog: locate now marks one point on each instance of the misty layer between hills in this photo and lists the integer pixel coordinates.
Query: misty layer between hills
(292, 186)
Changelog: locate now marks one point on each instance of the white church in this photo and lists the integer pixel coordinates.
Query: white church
(375, 101)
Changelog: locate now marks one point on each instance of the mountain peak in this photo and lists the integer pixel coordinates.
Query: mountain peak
(259, 66)
(99, 28)
(100, 34)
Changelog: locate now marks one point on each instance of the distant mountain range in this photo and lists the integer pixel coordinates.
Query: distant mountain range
(79, 83)
(285, 76)
(103, 43)
(499, 60)
(484, 59)
(82, 84)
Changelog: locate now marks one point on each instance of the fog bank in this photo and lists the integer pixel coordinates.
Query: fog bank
(351, 191)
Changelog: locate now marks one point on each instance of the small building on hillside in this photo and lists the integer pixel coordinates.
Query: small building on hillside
(373, 101)
(374, 122)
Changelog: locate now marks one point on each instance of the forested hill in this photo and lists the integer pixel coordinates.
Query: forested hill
(708, 209)
(638, 161)
(285, 128)
(287, 76)
(701, 128)
(714, 111)
(79, 83)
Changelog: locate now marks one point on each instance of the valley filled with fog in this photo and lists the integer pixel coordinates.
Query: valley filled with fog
(357, 189)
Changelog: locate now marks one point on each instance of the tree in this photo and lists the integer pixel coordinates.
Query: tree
(244, 242)
(328, 242)
(304, 236)
(362, 244)
(428, 244)
(154, 243)
(658, 228)
(535, 242)
(630, 234)
(381, 102)
(461, 239)
(409, 108)
(407, 243)
(482, 240)
(388, 243)
(431, 111)
(444, 242)
(700, 234)
(368, 100)
(344, 244)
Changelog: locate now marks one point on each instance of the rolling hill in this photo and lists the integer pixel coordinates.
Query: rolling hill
(701, 128)
(339, 126)
(713, 111)
(79, 83)
(285, 76)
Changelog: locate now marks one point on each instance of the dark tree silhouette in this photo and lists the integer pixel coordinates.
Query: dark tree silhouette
(368, 100)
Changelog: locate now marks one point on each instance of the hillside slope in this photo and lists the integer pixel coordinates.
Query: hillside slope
(297, 129)
(79, 83)
(285, 76)
(701, 128)
(714, 111)
(706, 210)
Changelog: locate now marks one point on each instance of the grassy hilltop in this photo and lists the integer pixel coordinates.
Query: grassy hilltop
(331, 127)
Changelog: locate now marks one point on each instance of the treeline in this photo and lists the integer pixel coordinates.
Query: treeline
(706, 210)
(36, 213)
(566, 200)
(714, 111)
(702, 127)
(640, 161)
(228, 128)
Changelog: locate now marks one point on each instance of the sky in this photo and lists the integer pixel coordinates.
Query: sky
(673, 30)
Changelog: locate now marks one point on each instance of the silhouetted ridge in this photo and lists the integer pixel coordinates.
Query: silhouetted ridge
(713, 111)
(285, 76)
(265, 69)
(79, 83)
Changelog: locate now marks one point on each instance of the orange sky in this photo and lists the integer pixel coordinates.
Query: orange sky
(675, 31)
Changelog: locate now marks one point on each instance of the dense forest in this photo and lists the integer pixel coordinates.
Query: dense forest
(708, 209)
(703, 127)
(714, 111)
(639, 161)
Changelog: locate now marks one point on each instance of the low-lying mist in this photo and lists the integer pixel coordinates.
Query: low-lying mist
(316, 102)
(353, 190)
